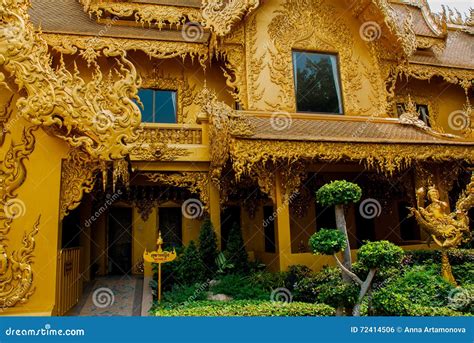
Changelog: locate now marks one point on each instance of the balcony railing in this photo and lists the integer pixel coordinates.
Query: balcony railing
(171, 133)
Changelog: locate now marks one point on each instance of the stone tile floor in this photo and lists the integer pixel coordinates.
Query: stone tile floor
(111, 296)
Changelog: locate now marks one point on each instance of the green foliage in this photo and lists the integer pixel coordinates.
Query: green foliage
(380, 254)
(296, 274)
(183, 294)
(246, 308)
(266, 280)
(427, 311)
(456, 256)
(327, 242)
(327, 287)
(223, 264)
(189, 269)
(208, 248)
(419, 285)
(464, 273)
(339, 192)
(235, 252)
(239, 288)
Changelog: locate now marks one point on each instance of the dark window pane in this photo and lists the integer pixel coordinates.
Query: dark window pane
(409, 230)
(269, 229)
(169, 219)
(165, 107)
(229, 216)
(146, 97)
(317, 83)
(325, 217)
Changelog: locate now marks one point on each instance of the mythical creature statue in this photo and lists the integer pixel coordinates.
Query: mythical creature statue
(447, 230)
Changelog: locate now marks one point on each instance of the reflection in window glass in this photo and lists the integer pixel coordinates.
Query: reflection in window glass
(317, 83)
(159, 106)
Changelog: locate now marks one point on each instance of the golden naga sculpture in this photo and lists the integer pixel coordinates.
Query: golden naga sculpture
(447, 230)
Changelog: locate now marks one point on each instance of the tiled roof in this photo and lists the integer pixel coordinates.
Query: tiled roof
(68, 17)
(459, 52)
(419, 23)
(344, 129)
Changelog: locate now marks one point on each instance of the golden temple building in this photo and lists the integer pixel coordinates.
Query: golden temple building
(119, 117)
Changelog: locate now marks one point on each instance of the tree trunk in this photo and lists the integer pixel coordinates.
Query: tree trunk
(446, 271)
(363, 290)
(341, 226)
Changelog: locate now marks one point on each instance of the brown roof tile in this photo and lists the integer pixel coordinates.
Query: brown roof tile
(68, 17)
(347, 130)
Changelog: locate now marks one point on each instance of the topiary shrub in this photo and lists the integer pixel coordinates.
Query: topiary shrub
(337, 293)
(339, 192)
(327, 242)
(189, 269)
(208, 248)
(235, 252)
(380, 254)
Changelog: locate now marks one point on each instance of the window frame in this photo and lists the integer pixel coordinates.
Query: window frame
(339, 80)
(154, 89)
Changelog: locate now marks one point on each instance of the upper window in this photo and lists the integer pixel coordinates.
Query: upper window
(317, 83)
(159, 106)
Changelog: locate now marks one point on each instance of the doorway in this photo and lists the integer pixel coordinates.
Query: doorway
(119, 244)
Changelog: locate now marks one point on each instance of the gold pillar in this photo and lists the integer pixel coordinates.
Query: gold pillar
(215, 211)
(282, 210)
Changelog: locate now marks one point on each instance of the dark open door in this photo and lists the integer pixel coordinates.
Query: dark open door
(120, 241)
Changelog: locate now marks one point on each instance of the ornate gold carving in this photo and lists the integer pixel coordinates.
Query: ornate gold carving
(247, 154)
(71, 44)
(298, 25)
(448, 230)
(16, 283)
(77, 178)
(220, 16)
(146, 14)
(195, 182)
(16, 275)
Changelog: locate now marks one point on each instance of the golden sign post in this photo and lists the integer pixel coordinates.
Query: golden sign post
(159, 256)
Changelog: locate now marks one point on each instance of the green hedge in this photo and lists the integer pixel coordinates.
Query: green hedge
(247, 308)
(456, 256)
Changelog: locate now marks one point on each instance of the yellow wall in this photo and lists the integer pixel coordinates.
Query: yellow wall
(40, 195)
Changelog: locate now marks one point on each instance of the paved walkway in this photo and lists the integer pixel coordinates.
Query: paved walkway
(111, 296)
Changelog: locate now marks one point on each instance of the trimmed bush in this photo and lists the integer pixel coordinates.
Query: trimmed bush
(339, 192)
(267, 280)
(239, 288)
(464, 273)
(247, 308)
(327, 242)
(380, 254)
(235, 252)
(208, 248)
(420, 286)
(183, 294)
(456, 256)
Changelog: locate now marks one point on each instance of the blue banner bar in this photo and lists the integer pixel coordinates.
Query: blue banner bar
(245, 330)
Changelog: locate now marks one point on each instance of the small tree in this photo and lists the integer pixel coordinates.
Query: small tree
(235, 252)
(338, 194)
(373, 255)
(190, 268)
(208, 248)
